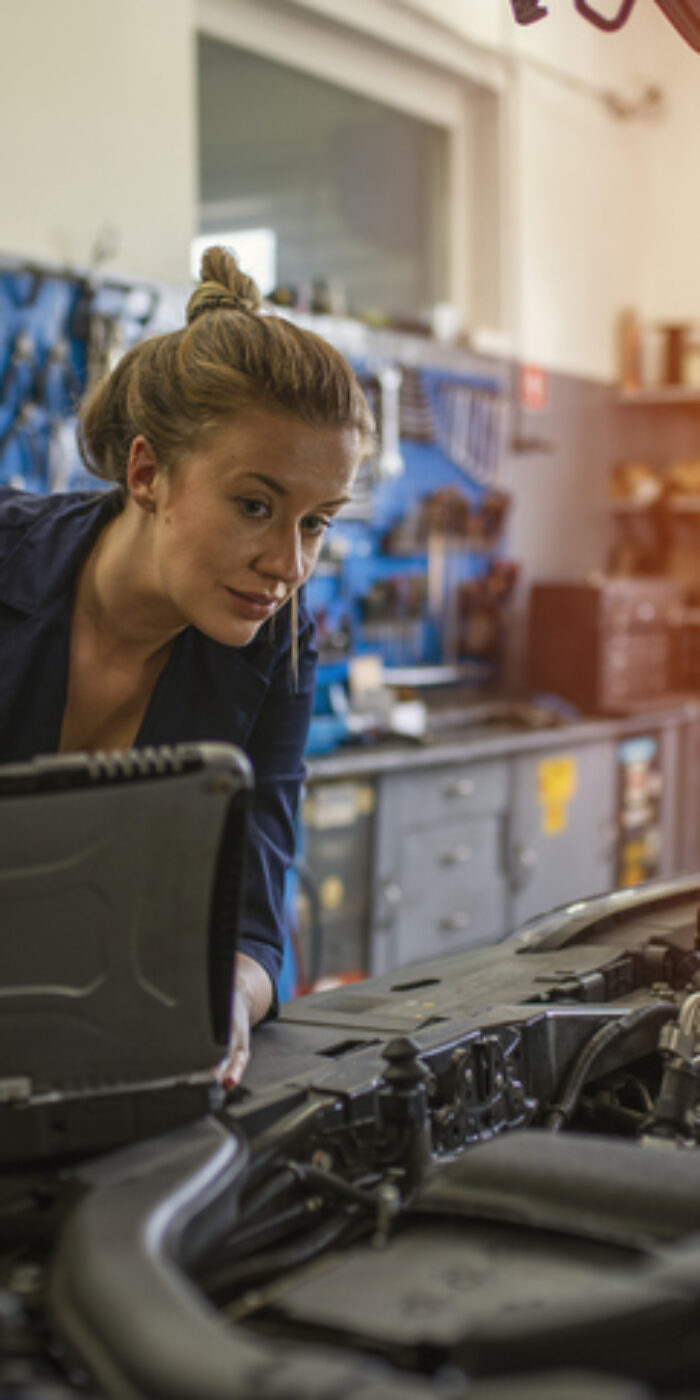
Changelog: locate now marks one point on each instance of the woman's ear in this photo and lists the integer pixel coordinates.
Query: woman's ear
(143, 474)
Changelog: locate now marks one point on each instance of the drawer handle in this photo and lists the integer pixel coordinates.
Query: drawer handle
(393, 892)
(459, 855)
(464, 787)
(453, 922)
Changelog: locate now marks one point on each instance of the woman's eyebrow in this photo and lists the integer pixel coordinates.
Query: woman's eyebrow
(280, 490)
(270, 482)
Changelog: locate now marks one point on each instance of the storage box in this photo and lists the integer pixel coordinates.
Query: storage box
(602, 643)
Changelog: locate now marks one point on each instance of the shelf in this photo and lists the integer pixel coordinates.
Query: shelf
(663, 394)
(633, 507)
(668, 505)
(683, 505)
(434, 675)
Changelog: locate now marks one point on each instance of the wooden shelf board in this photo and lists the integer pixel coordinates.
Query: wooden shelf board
(663, 394)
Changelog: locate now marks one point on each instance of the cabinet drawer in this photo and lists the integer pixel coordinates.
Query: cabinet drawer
(452, 890)
(472, 922)
(465, 854)
(445, 793)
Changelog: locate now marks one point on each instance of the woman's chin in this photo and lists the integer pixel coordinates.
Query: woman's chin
(236, 633)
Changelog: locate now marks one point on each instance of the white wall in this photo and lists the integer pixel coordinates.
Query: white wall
(96, 128)
(606, 205)
(580, 208)
(670, 234)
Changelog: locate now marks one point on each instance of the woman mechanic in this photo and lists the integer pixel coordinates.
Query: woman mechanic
(168, 609)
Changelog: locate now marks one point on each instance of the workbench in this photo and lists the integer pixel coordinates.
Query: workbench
(422, 849)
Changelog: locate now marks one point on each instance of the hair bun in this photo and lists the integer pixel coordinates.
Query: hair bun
(222, 286)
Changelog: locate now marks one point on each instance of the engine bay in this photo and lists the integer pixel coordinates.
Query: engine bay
(477, 1177)
(474, 1177)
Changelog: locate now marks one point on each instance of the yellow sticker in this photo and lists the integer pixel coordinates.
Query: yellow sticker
(332, 892)
(557, 781)
(554, 815)
(633, 863)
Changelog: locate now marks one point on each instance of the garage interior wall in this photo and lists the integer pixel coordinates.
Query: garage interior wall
(597, 211)
(98, 128)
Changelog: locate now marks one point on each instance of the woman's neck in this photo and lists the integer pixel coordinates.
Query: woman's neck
(117, 595)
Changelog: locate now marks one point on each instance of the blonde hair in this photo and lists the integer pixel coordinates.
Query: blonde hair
(174, 388)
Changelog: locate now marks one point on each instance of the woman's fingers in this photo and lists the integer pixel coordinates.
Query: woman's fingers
(232, 1068)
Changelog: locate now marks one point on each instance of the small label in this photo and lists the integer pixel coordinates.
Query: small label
(534, 388)
(332, 805)
(557, 781)
(331, 893)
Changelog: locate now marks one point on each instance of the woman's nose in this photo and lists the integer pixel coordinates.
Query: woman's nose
(281, 558)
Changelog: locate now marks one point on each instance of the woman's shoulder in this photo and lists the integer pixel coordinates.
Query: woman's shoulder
(41, 537)
(19, 510)
(23, 510)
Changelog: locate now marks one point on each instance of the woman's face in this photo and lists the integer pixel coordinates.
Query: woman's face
(238, 525)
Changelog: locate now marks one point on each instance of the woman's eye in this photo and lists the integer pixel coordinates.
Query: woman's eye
(316, 524)
(254, 509)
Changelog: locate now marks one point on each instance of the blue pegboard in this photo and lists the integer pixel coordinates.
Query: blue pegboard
(336, 592)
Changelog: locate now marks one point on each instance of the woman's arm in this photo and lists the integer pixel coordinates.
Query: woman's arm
(276, 750)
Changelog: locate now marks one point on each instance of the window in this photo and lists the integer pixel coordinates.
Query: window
(353, 191)
(409, 204)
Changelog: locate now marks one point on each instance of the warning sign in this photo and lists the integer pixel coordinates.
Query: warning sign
(534, 388)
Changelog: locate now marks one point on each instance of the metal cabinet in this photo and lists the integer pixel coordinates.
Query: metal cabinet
(439, 880)
(563, 827)
(334, 875)
(419, 861)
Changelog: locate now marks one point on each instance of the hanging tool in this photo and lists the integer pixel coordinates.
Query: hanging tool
(527, 11)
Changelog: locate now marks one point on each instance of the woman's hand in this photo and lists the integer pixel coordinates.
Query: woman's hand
(252, 998)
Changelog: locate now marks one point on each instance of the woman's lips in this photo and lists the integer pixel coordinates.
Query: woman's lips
(254, 606)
